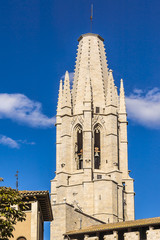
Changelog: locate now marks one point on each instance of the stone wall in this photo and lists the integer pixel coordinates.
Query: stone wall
(90, 238)
(67, 218)
(113, 236)
(153, 234)
(132, 236)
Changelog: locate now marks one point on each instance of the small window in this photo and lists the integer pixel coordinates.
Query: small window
(97, 109)
(99, 176)
(123, 183)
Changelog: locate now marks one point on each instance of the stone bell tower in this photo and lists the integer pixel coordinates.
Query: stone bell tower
(92, 154)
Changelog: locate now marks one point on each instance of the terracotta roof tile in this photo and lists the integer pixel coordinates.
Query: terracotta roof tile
(118, 225)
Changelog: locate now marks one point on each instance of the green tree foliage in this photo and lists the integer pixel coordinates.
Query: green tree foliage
(11, 211)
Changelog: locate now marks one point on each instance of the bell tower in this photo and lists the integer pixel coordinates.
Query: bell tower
(92, 153)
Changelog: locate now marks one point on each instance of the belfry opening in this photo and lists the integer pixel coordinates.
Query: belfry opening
(97, 149)
(80, 148)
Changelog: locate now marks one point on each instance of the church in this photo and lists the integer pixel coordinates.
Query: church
(92, 194)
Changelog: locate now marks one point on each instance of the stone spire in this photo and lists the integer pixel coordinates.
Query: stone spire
(91, 55)
(66, 92)
(60, 96)
(111, 91)
(122, 104)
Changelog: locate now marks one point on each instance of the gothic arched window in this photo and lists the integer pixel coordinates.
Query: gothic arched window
(97, 148)
(79, 147)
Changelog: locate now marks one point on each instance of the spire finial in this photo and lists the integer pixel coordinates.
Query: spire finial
(91, 17)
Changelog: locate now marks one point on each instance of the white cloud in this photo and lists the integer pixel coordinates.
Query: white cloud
(20, 108)
(9, 142)
(26, 142)
(144, 107)
(137, 91)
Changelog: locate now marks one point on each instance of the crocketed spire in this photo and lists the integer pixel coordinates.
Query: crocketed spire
(111, 91)
(122, 104)
(60, 95)
(66, 91)
(91, 55)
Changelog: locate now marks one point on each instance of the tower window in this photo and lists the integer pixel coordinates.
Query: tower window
(80, 148)
(68, 180)
(97, 109)
(97, 148)
(123, 184)
(99, 176)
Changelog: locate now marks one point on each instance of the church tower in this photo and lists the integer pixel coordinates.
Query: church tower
(92, 154)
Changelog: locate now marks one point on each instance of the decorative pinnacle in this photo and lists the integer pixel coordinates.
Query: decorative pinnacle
(111, 91)
(122, 107)
(59, 105)
(66, 91)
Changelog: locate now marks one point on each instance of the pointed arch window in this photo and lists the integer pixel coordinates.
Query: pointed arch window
(97, 148)
(79, 147)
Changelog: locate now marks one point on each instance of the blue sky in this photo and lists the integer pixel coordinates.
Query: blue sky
(37, 45)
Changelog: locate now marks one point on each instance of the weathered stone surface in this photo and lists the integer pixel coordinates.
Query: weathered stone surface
(113, 236)
(153, 234)
(104, 192)
(132, 236)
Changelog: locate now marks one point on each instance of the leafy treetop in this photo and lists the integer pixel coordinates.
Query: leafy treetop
(11, 211)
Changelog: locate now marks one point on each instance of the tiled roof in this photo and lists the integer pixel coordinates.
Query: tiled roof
(118, 225)
(43, 198)
(33, 193)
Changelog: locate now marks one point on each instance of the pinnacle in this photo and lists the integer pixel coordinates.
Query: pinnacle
(122, 108)
(59, 105)
(111, 91)
(66, 91)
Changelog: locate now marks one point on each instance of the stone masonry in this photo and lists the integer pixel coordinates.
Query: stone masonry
(91, 142)
(113, 236)
(153, 234)
(132, 236)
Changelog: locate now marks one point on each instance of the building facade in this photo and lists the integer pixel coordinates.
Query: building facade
(91, 145)
(38, 210)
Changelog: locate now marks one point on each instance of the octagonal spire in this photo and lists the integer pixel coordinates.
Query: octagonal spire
(90, 57)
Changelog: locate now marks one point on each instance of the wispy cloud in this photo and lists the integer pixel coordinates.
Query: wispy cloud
(7, 141)
(26, 142)
(20, 108)
(144, 107)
